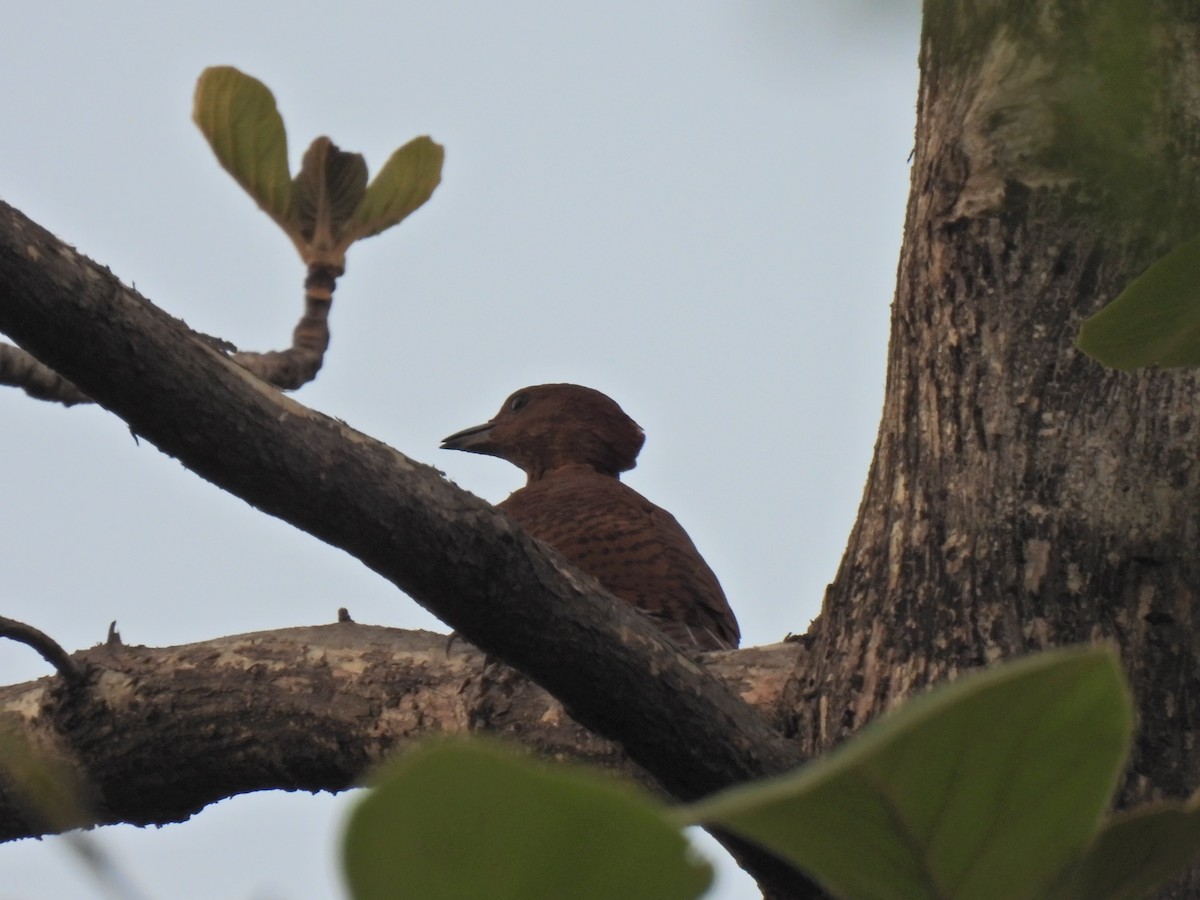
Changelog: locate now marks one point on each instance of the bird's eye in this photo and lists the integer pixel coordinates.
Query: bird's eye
(517, 402)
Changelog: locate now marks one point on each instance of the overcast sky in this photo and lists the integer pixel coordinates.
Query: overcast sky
(695, 207)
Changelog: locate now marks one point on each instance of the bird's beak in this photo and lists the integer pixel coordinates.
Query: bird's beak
(474, 440)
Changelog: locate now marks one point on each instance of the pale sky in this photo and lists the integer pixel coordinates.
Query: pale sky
(695, 207)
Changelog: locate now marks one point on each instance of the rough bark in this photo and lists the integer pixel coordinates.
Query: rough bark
(156, 734)
(1021, 496)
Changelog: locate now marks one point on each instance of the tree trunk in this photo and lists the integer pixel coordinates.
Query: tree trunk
(1021, 496)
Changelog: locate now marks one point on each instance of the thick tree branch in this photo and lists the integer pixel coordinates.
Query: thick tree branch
(458, 556)
(161, 732)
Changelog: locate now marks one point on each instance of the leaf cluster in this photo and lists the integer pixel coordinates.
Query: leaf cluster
(329, 204)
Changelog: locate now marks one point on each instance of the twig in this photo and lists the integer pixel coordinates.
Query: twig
(45, 645)
(19, 369)
(286, 369)
(296, 366)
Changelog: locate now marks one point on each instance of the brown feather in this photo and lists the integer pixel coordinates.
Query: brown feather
(572, 442)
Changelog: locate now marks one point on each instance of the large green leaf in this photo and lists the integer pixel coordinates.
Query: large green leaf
(460, 821)
(986, 788)
(1155, 320)
(1136, 853)
(405, 182)
(238, 117)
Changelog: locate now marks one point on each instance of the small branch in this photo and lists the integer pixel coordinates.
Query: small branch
(285, 369)
(298, 365)
(45, 645)
(19, 369)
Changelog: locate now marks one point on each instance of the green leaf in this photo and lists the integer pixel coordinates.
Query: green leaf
(51, 793)
(325, 194)
(1155, 320)
(1137, 852)
(460, 821)
(985, 788)
(329, 205)
(54, 797)
(405, 182)
(238, 117)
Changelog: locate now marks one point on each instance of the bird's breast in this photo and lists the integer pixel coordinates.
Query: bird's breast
(636, 550)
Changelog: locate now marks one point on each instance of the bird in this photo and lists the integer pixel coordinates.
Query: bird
(573, 443)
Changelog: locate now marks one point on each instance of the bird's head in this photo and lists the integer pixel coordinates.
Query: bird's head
(548, 426)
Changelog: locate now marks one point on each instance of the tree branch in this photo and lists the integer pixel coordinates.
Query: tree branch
(45, 645)
(19, 369)
(298, 364)
(455, 554)
(162, 732)
(287, 369)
